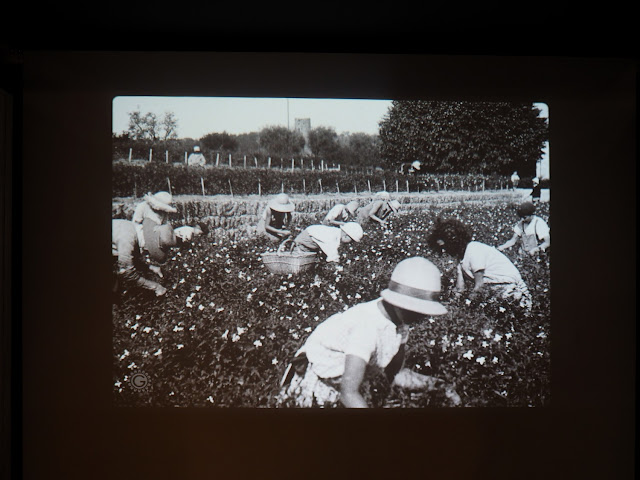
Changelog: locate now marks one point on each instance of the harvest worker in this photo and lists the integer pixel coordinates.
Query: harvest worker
(515, 178)
(127, 251)
(196, 158)
(484, 264)
(327, 239)
(276, 218)
(535, 191)
(378, 211)
(155, 207)
(186, 233)
(532, 231)
(340, 213)
(331, 365)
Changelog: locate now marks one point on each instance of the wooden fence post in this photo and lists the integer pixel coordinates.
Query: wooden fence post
(407, 186)
(259, 189)
(369, 184)
(130, 152)
(396, 185)
(280, 163)
(269, 163)
(256, 161)
(312, 167)
(150, 154)
(322, 165)
(320, 182)
(337, 187)
(229, 160)
(245, 161)
(166, 156)
(230, 188)
(355, 188)
(202, 183)
(384, 185)
(217, 159)
(282, 187)
(185, 158)
(135, 190)
(169, 183)
(302, 164)
(304, 186)
(292, 164)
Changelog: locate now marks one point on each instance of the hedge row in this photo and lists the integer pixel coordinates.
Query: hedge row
(135, 180)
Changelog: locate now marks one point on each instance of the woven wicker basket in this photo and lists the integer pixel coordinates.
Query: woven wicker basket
(283, 262)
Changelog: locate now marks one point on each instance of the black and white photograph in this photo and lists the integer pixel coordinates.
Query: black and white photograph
(330, 252)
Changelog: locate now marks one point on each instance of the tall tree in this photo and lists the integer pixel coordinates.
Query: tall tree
(280, 141)
(219, 141)
(464, 137)
(148, 127)
(324, 144)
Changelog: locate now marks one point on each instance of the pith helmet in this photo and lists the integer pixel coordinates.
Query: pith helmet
(353, 229)
(415, 285)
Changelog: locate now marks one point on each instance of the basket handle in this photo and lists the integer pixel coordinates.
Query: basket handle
(282, 245)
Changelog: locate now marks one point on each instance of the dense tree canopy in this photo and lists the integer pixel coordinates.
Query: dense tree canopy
(280, 141)
(219, 141)
(464, 137)
(324, 144)
(149, 127)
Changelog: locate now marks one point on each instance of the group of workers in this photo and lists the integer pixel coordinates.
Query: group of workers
(330, 367)
(343, 223)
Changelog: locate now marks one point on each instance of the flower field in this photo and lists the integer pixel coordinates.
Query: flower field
(225, 330)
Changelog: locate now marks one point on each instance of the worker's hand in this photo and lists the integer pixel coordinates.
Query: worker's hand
(160, 290)
(155, 269)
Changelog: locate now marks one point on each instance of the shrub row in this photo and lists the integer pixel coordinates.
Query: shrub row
(135, 180)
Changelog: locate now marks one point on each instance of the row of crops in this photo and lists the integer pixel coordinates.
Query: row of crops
(131, 180)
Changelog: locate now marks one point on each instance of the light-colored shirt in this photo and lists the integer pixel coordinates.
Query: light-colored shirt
(362, 331)
(196, 159)
(321, 237)
(144, 210)
(338, 212)
(537, 226)
(497, 266)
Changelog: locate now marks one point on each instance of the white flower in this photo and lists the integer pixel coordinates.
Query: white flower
(241, 330)
(210, 398)
(132, 365)
(125, 354)
(198, 288)
(225, 334)
(200, 307)
(467, 301)
(508, 335)
(146, 329)
(494, 360)
(497, 338)
(274, 361)
(180, 346)
(480, 360)
(235, 337)
(138, 317)
(542, 335)
(159, 352)
(502, 309)
(257, 343)
(487, 333)
(468, 355)
(117, 384)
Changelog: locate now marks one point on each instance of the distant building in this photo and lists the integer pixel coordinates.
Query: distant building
(303, 125)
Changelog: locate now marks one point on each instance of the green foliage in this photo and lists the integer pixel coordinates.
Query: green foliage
(323, 142)
(226, 329)
(280, 141)
(464, 137)
(219, 142)
(131, 179)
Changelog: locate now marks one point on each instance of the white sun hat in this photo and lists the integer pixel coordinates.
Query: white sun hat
(353, 229)
(161, 201)
(415, 285)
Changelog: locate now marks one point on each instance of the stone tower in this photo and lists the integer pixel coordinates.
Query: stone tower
(303, 125)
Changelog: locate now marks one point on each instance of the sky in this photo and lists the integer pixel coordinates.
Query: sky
(198, 116)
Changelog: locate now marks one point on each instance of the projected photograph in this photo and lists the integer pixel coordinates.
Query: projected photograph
(330, 253)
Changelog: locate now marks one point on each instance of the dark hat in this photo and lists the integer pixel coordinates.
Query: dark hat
(526, 209)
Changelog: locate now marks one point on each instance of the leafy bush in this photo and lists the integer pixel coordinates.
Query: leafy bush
(226, 329)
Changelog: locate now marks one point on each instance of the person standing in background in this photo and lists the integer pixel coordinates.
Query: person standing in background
(196, 158)
(515, 179)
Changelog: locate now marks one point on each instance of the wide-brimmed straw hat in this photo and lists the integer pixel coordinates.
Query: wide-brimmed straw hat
(382, 195)
(161, 201)
(394, 205)
(415, 285)
(525, 209)
(535, 180)
(353, 229)
(158, 239)
(282, 204)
